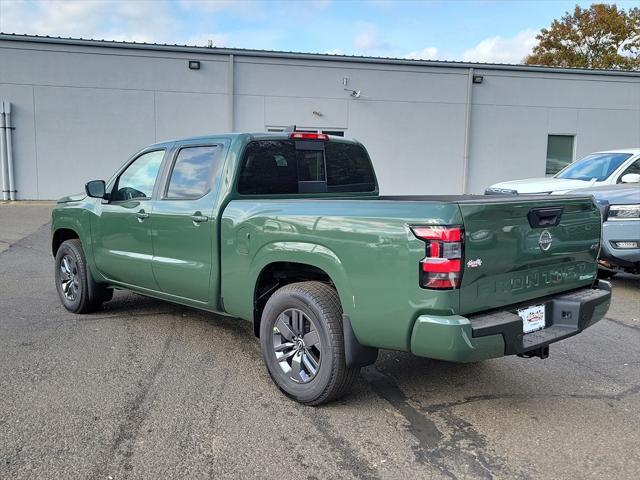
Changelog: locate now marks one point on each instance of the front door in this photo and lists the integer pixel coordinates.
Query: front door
(121, 229)
(184, 241)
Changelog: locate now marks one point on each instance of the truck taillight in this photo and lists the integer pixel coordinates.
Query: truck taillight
(309, 136)
(442, 267)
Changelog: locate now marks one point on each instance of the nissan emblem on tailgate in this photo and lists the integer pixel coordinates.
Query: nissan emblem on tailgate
(545, 240)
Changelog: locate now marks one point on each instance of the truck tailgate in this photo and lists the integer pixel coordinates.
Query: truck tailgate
(523, 248)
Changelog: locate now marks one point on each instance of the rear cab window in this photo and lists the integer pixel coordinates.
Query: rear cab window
(281, 167)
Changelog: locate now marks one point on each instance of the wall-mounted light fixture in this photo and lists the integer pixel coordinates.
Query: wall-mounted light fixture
(478, 79)
(194, 65)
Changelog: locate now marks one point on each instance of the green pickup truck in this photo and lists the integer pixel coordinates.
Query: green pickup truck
(289, 231)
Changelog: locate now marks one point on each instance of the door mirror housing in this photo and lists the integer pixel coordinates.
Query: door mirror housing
(631, 178)
(95, 188)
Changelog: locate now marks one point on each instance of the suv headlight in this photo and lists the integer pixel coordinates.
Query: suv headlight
(624, 212)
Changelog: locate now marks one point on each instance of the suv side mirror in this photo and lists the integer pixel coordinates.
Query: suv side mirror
(631, 178)
(95, 188)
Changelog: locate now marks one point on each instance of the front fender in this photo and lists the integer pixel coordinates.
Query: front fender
(78, 219)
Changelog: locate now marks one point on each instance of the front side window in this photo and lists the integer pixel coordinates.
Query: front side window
(192, 172)
(598, 166)
(282, 167)
(138, 179)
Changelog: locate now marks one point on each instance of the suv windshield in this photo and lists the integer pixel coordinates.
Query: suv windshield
(598, 166)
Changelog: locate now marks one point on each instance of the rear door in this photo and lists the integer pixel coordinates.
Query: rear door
(519, 249)
(184, 223)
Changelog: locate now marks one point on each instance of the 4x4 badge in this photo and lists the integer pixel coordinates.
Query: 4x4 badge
(545, 240)
(474, 263)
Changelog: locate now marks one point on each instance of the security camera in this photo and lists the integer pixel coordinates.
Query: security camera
(354, 93)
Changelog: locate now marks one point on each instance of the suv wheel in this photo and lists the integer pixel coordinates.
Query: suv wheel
(302, 343)
(77, 290)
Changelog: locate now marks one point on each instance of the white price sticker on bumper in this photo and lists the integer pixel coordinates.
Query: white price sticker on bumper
(533, 318)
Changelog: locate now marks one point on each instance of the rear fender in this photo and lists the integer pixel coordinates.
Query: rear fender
(307, 253)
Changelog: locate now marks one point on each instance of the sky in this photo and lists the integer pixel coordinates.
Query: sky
(499, 31)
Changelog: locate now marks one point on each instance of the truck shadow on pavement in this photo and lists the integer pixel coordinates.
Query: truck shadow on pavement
(443, 440)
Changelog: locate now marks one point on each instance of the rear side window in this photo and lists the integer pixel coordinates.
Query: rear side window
(192, 172)
(288, 167)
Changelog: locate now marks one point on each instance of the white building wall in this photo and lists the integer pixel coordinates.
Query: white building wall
(81, 111)
(514, 113)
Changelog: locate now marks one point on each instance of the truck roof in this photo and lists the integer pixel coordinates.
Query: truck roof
(250, 136)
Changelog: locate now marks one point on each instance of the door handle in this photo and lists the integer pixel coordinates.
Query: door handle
(199, 218)
(142, 215)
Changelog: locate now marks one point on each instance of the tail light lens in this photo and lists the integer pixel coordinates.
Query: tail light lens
(441, 269)
(309, 136)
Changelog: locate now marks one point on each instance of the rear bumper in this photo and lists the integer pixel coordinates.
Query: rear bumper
(495, 334)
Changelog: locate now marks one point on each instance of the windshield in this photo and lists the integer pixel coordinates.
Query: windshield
(598, 166)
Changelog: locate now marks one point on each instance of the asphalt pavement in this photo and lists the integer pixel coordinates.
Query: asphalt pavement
(147, 389)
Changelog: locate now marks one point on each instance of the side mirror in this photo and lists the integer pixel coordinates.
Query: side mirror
(95, 188)
(631, 178)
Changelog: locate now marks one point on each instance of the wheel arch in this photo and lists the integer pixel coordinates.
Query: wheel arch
(279, 265)
(60, 236)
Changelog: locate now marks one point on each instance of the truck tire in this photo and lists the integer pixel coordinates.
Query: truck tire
(302, 343)
(78, 292)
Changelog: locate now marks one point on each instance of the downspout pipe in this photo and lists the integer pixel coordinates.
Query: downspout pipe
(4, 173)
(9, 142)
(467, 132)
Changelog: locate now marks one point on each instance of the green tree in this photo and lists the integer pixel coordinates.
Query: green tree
(601, 36)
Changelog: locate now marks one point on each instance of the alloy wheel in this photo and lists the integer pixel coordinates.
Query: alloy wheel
(69, 278)
(296, 345)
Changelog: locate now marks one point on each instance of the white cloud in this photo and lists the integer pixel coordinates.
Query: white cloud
(428, 53)
(131, 21)
(108, 19)
(368, 40)
(502, 50)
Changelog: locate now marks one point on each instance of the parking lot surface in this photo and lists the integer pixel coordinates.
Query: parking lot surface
(147, 389)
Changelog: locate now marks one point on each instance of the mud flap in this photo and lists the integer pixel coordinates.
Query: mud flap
(356, 355)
